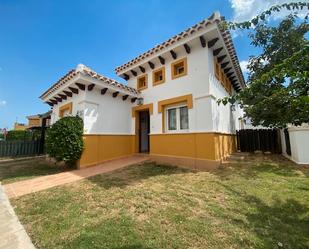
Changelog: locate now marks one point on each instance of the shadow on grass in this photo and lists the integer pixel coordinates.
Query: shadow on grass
(26, 170)
(135, 174)
(278, 221)
(115, 233)
(254, 166)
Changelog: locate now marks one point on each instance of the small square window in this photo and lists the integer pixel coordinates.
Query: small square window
(65, 110)
(179, 68)
(158, 76)
(142, 82)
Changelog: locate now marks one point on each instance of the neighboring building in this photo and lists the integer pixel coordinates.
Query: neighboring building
(39, 120)
(169, 108)
(19, 127)
(34, 122)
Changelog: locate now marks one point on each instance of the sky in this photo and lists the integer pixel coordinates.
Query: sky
(41, 40)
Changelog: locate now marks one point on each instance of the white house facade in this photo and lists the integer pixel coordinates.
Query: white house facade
(168, 108)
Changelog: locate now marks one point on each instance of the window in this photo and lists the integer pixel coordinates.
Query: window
(222, 76)
(177, 118)
(179, 68)
(217, 69)
(65, 110)
(142, 82)
(158, 76)
(225, 82)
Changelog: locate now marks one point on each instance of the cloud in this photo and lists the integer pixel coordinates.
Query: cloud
(244, 10)
(243, 65)
(2, 103)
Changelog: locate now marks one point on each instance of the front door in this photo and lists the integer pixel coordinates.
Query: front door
(144, 131)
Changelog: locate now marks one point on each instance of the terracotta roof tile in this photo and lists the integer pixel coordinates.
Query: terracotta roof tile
(83, 70)
(214, 18)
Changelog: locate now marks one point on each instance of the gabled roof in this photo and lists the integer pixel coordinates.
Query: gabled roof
(214, 18)
(86, 71)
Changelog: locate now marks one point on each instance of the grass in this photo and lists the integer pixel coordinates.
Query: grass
(262, 203)
(23, 170)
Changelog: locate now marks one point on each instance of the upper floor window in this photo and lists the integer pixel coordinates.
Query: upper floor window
(217, 69)
(142, 82)
(179, 68)
(219, 73)
(158, 76)
(177, 118)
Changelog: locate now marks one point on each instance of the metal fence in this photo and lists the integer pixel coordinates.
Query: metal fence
(20, 148)
(249, 140)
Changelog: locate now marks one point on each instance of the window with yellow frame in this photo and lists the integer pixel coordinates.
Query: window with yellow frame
(179, 68)
(217, 69)
(158, 76)
(142, 82)
(65, 110)
(220, 75)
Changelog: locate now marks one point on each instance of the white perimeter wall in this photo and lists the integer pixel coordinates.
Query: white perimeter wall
(299, 141)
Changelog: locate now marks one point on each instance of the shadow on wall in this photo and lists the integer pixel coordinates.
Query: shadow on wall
(133, 175)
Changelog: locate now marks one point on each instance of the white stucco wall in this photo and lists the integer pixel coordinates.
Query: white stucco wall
(299, 141)
(104, 114)
(76, 99)
(206, 115)
(193, 83)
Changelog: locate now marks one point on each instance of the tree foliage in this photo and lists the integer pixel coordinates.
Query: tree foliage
(25, 135)
(294, 7)
(278, 83)
(64, 140)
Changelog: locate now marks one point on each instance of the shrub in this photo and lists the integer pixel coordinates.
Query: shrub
(64, 140)
(23, 135)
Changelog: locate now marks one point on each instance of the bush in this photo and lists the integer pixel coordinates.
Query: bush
(23, 135)
(64, 140)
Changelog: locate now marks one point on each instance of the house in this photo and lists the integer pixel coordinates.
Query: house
(19, 126)
(36, 121)
(168, 108)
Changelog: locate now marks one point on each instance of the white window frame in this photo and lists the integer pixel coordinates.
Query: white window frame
(178, 130)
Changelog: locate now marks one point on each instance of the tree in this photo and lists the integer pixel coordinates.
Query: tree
(64, 140)
(278, 83)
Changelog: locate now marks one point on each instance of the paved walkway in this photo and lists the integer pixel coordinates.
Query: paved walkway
(44, 182)
(12, 233)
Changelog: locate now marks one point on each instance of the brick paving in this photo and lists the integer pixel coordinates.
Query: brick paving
(21, 188)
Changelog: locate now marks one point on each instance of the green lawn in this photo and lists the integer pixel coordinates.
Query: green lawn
(23, 170)
(263, 203)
